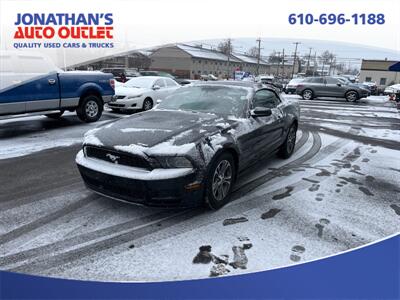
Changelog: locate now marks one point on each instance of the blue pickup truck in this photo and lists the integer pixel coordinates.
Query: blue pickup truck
(30, 82)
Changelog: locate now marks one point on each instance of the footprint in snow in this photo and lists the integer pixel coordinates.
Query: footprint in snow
(320, 197)
(314, 187)
(365, 191)
(287, 193)
(396, 208)
(270, 214)
(296, 251)
(321, 225)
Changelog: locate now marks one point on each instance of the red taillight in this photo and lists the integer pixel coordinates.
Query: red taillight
(299, 86)
(112, 83)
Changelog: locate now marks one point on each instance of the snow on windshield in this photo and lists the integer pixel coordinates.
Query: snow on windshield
(217, 99)
(140, 82)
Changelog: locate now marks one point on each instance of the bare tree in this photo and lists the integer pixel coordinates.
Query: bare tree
(253, 52)
(274, 57)
(225, 47)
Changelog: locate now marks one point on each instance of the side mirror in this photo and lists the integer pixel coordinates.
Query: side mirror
(338, 84)
(261, 112)
(156, 87)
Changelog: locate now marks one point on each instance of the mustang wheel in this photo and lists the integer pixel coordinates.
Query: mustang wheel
(308, 94)
(287, 148)
(90, 109)
(221, 178)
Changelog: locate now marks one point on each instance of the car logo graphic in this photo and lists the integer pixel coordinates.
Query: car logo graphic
(113, 158)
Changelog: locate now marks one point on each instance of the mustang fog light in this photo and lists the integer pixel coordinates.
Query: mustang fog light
(174, 162)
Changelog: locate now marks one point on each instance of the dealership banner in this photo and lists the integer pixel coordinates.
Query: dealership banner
(214, 149)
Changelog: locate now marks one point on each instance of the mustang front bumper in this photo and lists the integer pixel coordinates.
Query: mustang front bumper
(166, 188)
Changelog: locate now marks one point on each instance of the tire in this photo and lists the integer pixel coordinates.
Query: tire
(90, 109)
(55, 115)
(287, 148)
(307, 94)
(147, 104)
(351, 96)
(217, 191)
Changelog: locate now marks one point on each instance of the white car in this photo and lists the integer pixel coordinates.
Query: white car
(393, 89)
(142, 93)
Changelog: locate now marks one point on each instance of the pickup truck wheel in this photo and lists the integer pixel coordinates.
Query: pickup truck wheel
(55, 115)
(220, 180)
(287, 148)
(90, 109)
(308, 94)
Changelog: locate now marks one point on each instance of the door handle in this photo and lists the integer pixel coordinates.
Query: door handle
(52, 81)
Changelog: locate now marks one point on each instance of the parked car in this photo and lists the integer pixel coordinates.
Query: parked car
(371, 85)
(189, 149)
(292, 85)
(313, 87)
(208, 77)
(270, 80)
(30, 82)
(142, 93)
(121, 74)
(183, 81)
(156, 73)
(393, 89)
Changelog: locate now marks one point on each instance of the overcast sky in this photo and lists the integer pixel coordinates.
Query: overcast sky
(146, 23)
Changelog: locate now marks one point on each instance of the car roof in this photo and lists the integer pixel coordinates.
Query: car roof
(246, 84)
(151, 77)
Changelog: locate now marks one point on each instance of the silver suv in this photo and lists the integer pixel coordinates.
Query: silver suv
(313, 87)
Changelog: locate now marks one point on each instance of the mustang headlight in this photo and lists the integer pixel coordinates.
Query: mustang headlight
(136, 96)
(168, 162)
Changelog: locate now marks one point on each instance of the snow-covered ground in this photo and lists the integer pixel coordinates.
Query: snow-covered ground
(340, 190)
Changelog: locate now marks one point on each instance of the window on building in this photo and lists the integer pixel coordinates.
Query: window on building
(368, 79)
(382, 81)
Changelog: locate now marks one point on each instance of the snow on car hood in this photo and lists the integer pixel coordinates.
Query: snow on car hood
(158, 132)
(129, 91)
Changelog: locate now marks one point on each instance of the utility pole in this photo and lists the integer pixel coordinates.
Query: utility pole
(229, 57)
(258, 56)
(283, 62)
(295, 54)
(315, 63)
(279, 63)
(308, 60)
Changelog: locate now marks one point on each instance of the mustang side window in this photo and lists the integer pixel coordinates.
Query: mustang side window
(265, 98)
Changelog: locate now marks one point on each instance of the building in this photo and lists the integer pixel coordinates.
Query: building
(193, 61)
(130, 60)
(378, 71)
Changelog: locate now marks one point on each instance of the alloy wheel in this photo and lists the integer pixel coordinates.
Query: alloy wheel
(222, 180)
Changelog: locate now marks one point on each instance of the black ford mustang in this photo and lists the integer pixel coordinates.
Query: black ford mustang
(189, 149)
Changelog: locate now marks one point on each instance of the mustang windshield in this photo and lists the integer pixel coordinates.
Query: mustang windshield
(208, 98)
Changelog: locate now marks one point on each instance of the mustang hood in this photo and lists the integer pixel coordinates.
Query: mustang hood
(157, 131)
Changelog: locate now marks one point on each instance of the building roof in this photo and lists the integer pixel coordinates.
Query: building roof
(249, 59)
(205, 53)
(377, 65)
